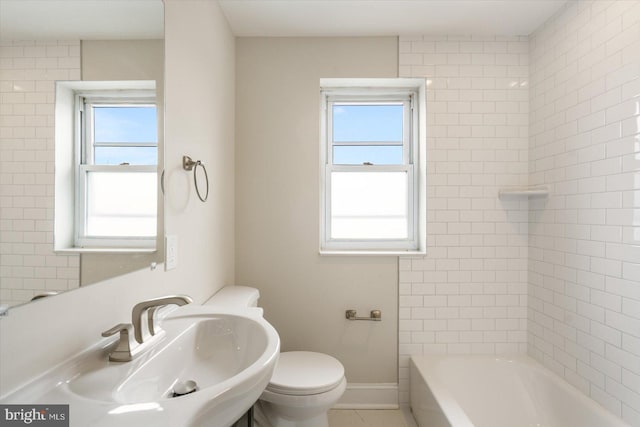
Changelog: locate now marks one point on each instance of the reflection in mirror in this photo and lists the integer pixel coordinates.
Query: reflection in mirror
(42, 42)
(106, 166)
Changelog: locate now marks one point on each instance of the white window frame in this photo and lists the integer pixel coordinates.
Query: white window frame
(67, 165)
(410, 93)
(84, 142)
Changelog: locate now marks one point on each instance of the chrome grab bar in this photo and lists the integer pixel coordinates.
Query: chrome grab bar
(375, 315)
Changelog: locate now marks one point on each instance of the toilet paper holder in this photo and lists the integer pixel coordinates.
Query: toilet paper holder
(375, 315)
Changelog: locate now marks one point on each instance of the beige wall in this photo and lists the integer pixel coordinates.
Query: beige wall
(200, 106)
(125, 60)
(304, 294)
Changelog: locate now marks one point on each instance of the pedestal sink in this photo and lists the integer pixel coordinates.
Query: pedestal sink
(222, 359)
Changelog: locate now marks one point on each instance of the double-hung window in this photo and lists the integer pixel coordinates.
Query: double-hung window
(116, 191)
(371, 168)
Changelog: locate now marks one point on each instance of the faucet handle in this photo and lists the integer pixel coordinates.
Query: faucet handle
(127, 343)
(120, 327)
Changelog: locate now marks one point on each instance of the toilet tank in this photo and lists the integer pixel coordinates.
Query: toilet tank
(235, 297)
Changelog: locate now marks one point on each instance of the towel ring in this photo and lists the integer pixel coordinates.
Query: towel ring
(188, 164)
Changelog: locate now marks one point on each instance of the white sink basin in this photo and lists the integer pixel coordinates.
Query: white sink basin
(230, 355)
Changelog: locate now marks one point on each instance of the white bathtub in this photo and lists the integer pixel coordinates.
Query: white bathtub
(483, 391)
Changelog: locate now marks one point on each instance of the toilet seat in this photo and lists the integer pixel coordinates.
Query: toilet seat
(303, 373)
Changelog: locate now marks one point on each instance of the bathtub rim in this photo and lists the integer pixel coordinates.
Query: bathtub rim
(425, 364)
(447, 403)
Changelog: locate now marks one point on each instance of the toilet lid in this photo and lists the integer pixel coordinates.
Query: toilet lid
(304, 373)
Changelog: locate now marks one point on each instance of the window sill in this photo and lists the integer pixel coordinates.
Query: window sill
(390, 252)
(106, 250)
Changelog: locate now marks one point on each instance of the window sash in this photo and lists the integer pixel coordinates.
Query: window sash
(378, 96)
(88, 101)
(83, 239)
(85, 155)
(408, 243)
(406, 100)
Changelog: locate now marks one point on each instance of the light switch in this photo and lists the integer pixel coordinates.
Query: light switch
(171, 252)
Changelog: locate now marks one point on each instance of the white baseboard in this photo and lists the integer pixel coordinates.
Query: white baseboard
(369, 396)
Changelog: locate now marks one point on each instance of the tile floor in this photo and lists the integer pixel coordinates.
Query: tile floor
(370, 418)
(362, 418)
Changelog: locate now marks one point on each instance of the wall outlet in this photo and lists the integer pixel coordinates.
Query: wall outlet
(171, 252)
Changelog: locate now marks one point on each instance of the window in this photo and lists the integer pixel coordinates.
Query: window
(371, 166)
(106, 171)
(116, 178)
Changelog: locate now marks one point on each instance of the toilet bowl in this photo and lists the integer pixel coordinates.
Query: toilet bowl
(304, 386)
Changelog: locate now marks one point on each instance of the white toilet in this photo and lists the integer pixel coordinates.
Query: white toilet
(304, 385)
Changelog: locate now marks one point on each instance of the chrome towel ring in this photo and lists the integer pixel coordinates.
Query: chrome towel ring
(188, 164)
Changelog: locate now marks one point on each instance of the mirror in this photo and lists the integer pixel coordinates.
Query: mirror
(41, 42)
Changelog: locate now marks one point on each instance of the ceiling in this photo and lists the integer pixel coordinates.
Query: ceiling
(286, 18)
(81, 19)
(143, 19)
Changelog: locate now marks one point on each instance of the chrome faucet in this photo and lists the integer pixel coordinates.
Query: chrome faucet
(141, 333)
(136, 336)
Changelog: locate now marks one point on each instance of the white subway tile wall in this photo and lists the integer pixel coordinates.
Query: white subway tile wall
(469, 293)
(28, 264)
(580, 313)
(584, 241)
